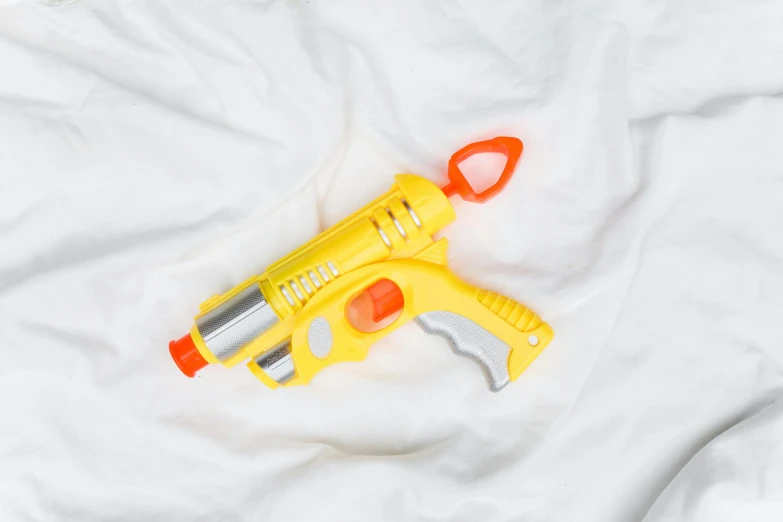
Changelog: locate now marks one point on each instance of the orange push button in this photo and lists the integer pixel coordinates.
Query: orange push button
(386, 299)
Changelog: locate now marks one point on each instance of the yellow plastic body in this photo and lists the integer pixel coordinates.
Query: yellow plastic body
(360, 250)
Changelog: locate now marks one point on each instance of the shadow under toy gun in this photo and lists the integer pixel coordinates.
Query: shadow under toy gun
(300, 316)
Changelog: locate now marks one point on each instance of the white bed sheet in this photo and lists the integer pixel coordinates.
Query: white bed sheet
(155, 153)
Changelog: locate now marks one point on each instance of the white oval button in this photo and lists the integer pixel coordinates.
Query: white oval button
(319, 337)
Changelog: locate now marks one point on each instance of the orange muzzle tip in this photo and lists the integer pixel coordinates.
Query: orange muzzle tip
(187, 356)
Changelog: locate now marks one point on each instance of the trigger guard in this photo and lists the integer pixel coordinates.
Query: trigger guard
(471, 340)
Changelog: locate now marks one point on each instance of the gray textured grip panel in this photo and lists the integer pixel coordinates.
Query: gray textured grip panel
(469, 339)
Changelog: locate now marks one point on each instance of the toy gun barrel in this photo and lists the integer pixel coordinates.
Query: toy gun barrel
(398, 224)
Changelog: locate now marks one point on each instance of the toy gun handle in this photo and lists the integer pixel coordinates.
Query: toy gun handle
(503, 336)
(502, 360)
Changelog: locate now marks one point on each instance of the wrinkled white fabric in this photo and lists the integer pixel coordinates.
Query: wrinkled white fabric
(153, 154)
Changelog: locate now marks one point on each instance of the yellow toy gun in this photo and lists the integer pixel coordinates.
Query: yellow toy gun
(331, 299)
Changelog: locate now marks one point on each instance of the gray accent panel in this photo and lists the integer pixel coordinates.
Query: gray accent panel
(236, 322)
(319, 337)
(397, 224)
(415, 218)
(277, 363)
(469, 339)
(382, 234)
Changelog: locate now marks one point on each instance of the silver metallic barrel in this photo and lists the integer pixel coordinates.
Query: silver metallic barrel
(277, 362)
(235, 323)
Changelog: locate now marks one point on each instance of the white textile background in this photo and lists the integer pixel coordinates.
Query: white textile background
(155, 153)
